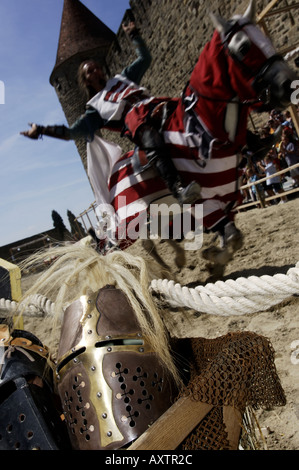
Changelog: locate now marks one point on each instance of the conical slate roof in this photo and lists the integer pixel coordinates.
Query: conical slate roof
(80, 31)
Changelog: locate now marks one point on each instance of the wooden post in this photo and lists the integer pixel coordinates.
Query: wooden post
(260, 198)
(266, 10)
(10, 286)
(173, 426)
(179, 420)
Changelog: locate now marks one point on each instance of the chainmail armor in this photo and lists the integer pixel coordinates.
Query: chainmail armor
(237, 370)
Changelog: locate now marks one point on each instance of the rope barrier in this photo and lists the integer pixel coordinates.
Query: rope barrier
(37, 305)
(225, 298)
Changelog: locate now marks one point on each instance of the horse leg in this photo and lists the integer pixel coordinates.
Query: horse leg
(231, 241)
(150, 248)
(180, 258)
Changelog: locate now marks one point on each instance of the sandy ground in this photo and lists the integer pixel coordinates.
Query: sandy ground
(271, 246)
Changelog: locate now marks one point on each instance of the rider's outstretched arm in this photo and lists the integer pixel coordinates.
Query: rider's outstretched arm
(91, 120)
(84, 127)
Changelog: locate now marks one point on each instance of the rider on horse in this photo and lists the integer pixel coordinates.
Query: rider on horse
(109, 106)
(204, 131)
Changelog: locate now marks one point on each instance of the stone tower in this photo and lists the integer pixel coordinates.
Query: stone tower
(82, 36)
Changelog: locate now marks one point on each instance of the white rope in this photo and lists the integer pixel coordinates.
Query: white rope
(38, 305)
(227, 298)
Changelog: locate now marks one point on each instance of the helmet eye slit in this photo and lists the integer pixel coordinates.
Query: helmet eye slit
(70, 358)
(119, 342)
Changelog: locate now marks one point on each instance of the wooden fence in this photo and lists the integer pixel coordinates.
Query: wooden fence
(262, 200)
(90, 211)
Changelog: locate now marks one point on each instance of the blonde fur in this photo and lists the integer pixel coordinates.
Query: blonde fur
(78, 270)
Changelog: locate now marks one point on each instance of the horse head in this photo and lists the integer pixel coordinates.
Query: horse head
(257, 72)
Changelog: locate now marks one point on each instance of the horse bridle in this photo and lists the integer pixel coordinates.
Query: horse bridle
(259, 85)
(262, 89)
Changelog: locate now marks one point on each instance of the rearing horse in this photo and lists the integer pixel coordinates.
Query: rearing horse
(237, 72)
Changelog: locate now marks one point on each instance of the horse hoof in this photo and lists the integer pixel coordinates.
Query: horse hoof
(233, 237)
(216, 271)
(180, 260)
(219, 256)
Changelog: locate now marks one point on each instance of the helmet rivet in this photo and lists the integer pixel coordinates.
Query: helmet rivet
(141, 349)
(99, 394)
(89, 332)
(93, 368)
(109, 349)
(109, 433)
(104, 415)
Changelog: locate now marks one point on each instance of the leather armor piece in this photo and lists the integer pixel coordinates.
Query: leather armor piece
(111, 384)
(58, 132)
(29, 418)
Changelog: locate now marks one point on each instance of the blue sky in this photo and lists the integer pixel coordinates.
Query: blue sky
(37, 177)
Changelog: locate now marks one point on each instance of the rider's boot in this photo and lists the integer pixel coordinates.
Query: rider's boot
(152, 143)
(184, 194)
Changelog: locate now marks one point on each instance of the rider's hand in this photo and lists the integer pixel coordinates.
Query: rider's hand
(130, 28)
(33, 133)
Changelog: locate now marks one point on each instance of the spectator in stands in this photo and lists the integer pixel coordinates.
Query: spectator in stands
(265, 131)
(274, 185)
(256, 190)
(245, 191)
(260, 170)
(276, 118)
(290, 151)
(289, 124)
(272, 126)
